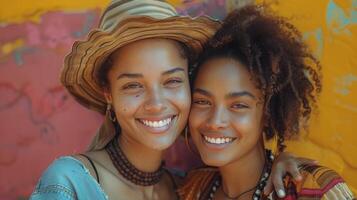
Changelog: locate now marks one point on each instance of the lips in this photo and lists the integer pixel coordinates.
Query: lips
(215, 141)
(157, 124)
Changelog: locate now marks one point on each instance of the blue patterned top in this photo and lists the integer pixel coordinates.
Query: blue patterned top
(67, 179)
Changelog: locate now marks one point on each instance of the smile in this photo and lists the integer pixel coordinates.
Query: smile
(157, 124)
(218, 140)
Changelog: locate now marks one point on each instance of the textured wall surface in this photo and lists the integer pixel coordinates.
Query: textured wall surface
(40, 121)
(330, 27)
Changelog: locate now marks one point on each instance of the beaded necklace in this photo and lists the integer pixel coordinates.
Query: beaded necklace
(216, 182)
(128, 170)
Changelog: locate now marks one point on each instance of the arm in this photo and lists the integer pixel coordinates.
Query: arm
(285, 163)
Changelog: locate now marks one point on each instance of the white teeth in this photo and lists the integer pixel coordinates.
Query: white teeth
(218, 140)
(221, 140)
(157, 124)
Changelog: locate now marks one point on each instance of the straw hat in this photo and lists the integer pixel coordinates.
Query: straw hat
(123, 22)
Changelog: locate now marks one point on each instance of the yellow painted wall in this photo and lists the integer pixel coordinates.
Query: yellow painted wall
(330, 28)
(20, 10)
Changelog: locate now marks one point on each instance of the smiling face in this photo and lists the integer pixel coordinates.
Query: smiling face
(149, 90)
(227, 112)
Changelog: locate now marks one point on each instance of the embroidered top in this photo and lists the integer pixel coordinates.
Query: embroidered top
(67, 179)
(318, 183)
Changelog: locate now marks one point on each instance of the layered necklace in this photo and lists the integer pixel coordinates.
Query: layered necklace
(128, 170)
(216, 183)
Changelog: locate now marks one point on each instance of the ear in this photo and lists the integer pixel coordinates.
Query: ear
(108, 96)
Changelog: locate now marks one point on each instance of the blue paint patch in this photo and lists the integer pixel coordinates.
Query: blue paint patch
(337, 20)
(318, 36)
(344, 83)
(18, 54)
(88, 24)
(349, 79)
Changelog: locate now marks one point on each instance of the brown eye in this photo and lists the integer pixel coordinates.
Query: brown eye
(173, 82)
(239, 106)
(132, 86)
(202, 102)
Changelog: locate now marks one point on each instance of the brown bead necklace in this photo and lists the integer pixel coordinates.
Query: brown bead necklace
(128, 170)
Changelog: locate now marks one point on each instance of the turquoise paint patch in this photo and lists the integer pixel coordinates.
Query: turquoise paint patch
(88, 24)
(318, 36)
(337, 19)
(18, 54)
(344, 83)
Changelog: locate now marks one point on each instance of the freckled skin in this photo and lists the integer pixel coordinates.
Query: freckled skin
(239, 117)
(152, 94)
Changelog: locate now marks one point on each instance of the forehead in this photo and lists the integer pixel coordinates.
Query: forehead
(224, 75)
(149, 55)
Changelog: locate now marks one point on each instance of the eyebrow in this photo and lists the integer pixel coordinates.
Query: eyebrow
(137, 75)
(202, 91)
(128, 75)
(230, 95)
(171, 71)
(240, 94)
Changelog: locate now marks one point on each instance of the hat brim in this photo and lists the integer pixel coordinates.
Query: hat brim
(79, 74)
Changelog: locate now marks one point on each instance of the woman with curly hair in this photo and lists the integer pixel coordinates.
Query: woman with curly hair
(255, 79)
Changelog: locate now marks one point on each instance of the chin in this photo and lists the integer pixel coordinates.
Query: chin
(214, 161)
(161, 143)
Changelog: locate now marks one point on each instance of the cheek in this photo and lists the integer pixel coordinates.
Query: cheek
(196, 120)
(126, 105)
(181, 98)
(248, 123)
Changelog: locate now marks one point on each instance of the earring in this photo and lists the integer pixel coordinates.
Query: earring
(187, 142)
(281, 144)
(110, 113)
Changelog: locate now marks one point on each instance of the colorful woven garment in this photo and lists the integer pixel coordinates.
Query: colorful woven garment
(318, 183)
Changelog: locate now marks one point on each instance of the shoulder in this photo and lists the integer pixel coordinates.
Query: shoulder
(62, 169)
(60, 177)
(322, 182)
(196, 182)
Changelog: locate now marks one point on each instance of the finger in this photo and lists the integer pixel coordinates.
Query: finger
(277, 174)
(278, 183)
(306, 161)
(294, 171)
(268, 187)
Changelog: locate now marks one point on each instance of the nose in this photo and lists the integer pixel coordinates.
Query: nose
(155, 102)
(218, 119)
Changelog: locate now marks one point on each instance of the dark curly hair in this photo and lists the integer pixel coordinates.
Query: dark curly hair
(279, 62)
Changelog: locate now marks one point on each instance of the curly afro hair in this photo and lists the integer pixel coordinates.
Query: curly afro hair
(279, 62)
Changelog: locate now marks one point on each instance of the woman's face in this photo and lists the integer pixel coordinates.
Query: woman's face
(150, 92)
(226, 113)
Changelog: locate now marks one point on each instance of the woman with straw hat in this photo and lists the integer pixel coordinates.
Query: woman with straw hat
(134, 70)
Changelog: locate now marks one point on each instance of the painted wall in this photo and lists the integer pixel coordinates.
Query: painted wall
(330, 27)
(40, 121)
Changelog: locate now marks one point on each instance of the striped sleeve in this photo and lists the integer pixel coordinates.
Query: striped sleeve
(323, 183)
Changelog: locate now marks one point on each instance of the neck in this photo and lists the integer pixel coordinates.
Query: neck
(244, 173)
(143, 158)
